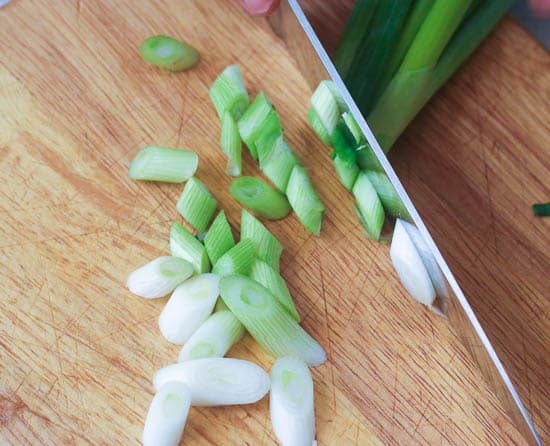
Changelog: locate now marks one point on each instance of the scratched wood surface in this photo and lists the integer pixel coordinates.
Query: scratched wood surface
(77, 351)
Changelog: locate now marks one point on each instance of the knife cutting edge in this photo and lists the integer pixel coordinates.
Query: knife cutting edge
(291, 24)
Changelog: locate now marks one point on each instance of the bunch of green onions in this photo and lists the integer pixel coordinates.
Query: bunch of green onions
(395, 54)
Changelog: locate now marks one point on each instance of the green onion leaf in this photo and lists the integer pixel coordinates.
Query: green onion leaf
(368, 206)
(238, 260)
(278, 164)
(267, 320)
(391, 201)
(304, 200)
(271, 279)
(542, 210)
(219, 238)
(325, 104)
(228, 93)
(266, 245)
(196, 204)
(168, 53)
(255, 194)
(346, 172)
(213, 338)
(166, 164)
(231, 145)
(318, 126)
(183, 244)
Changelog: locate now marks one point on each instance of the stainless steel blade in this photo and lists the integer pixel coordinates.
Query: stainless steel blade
(293, 27)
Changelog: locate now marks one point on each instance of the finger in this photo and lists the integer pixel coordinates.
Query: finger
(541, 7)
(259, 7)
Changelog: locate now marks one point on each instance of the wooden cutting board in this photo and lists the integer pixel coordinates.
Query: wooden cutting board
(78, 351)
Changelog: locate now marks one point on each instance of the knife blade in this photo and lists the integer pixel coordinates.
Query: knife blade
(290, 23)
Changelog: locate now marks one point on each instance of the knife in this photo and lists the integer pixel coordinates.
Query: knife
(291, 24)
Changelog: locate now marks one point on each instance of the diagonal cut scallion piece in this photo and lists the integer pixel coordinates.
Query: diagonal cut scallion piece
(238, 260)
(213, 338)
(368, 206)
(196, 204)
(347, 173)
(267, 320)
(304, 200)
(228, 93)
(278, 163)
(168, 53)
(219, 238)
(154, 163)
(389, 197)
(318, 127)
(231, 145)
(255, 194)
(266, 245)
(325, 104)
(217, 381)
(185, 245)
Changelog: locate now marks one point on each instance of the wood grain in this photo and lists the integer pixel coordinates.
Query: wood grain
(78, 351)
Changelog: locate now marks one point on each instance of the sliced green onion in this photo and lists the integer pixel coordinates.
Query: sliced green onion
(255, 194)
(318, 126)
(409, 266)
(156, 163)
(278, 164)
(291, 402)
(346, 173)
(267, 320)
(196, 204)
(167, 415)
(344, 143)
(389, 197)
(368, 206)
(168, 53)
(159, 277)
(342, 106)
(217, 381)
(304, 200)
(188, 307)
(542, 210)
(367, 160)
(238, 260)
(185, 245)
(228, 93)
(325, 105)
(353, 127)
(213, 338)
(271, 279)
(266, 245)
(231, 145)
(258, 118)
(219, 239)
(265, 143)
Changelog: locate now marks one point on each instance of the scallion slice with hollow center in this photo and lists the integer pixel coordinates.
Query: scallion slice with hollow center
(188, 307)
(267, 320)
(291, 402)
(166, 164)
(167, 415)
(218, 381)
(169, 53)
(159, 277)
(257, 195)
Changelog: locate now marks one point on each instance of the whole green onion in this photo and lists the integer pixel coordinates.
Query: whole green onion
(168, 53)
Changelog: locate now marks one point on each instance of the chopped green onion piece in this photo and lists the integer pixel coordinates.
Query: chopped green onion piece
(159, 277)
(213, 338)
(189, 306)
(231, 145)
(167, 415)
(196, 204)
(217, 381)
(304, 200)
(255, 194)
(318, 126)
(183, 244)
(168, 53)
(291, 402)
(345, 146)
(346, 172)
(353, 127)
(266, 245)
(259, 118)
(279, 163)
(267, 320)
(368, 206)
(228, 93)
(219, 239)
(391, 201)
(542, 210)
(325, 105)
(238, 260)
(271, 279)
(342, 106)
(156, 163)
(366, 158)
(265, 143)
